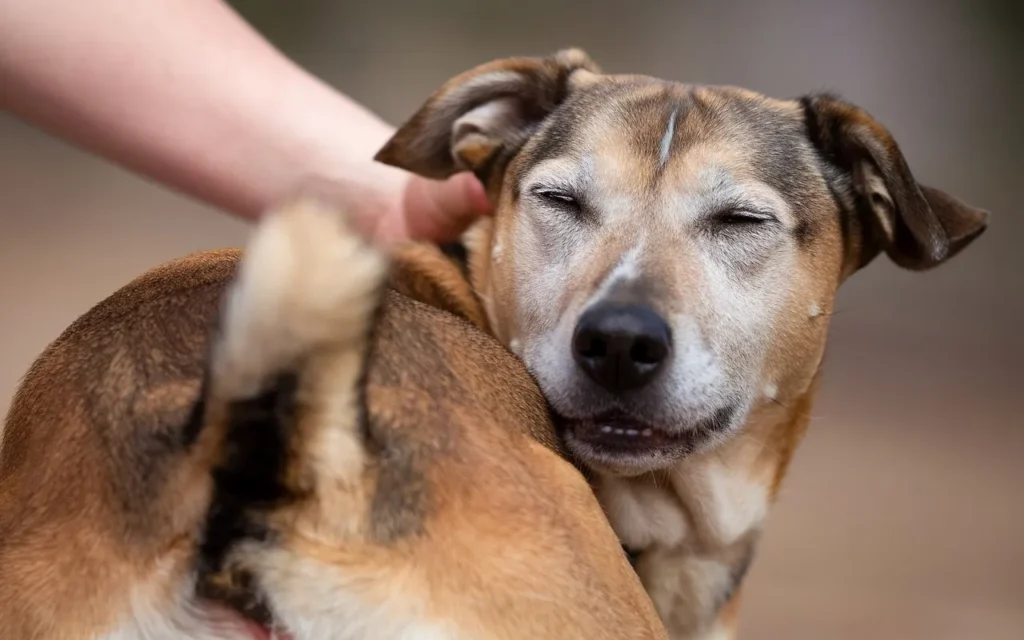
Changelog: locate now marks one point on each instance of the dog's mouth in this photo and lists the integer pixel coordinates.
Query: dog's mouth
(622, 444)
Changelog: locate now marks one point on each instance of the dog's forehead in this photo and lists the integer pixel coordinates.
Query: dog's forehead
(646, 128)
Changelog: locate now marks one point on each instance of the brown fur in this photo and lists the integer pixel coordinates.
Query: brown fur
(649, 177)
(403, 461)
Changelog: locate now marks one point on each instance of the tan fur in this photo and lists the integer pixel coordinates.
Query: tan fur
(421, 495)
(650, 168)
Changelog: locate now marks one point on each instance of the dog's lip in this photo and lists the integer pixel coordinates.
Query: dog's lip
(621, 443)
(619, 438)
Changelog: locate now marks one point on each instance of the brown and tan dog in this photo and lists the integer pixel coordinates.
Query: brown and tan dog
(664, 258)
(358, 465)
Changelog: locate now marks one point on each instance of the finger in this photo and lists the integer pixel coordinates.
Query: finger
(441, 210)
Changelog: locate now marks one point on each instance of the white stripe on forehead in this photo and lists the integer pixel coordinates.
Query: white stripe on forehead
(666, 140)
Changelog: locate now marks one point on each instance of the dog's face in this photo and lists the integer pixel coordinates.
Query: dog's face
(664, 257)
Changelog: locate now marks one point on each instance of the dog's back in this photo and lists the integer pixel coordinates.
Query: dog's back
(417, 494)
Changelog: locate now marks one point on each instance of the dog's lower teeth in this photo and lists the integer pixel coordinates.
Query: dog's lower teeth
(608, 429)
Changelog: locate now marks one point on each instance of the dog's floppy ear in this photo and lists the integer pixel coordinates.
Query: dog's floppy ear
(479, 119)
(917, 226)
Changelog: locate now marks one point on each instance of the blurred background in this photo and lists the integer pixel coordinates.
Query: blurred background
(903, 516)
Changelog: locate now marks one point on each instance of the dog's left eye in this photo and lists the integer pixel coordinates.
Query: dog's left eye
(557, 197)
(743, 216)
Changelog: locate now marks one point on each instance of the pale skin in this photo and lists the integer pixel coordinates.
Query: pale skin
(186, 93)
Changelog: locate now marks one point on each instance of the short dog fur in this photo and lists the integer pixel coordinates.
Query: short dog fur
(340, 460)
(664, 258)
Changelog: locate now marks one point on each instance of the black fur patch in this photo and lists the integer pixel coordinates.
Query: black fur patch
(459, 255)
(249, 477)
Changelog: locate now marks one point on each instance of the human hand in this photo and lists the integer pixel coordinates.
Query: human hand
(237, 135)
(392, 205)
(436, 210)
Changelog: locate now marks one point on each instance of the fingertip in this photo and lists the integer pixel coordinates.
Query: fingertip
(476, 194)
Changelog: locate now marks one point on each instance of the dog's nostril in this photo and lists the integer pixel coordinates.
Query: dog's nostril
(648, 351)
(621, 347)
(590, 345)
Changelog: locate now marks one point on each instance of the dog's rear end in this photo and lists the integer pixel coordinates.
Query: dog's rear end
(359, 465)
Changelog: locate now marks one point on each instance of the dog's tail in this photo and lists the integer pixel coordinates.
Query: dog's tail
(283, 401)
(309, 284)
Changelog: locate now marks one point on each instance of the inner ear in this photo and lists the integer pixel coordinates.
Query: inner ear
(478, 120)
(480, 134)
(872, 188)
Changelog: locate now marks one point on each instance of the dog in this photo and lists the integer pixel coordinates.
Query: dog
(664, 258)
(313, 440)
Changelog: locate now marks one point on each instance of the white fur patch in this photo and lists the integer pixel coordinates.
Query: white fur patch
(627, 269)
(771, 391)
(641, 513)
(318, 601)
(725, 503)
(683, 587)
(718, 632)
(814, 310)
(666, 141)
(306, 280)
(160, 610)
(696, 377)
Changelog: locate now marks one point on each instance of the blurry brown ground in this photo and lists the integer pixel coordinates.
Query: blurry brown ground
(904, 515)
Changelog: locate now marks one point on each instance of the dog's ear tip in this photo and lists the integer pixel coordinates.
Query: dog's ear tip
(386, 154)
(981, 216)
(977, 226)
(396, 153)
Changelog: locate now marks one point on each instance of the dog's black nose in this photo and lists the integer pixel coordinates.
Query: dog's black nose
(621, 347)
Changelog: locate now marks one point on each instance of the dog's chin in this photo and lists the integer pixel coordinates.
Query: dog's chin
(620, 445)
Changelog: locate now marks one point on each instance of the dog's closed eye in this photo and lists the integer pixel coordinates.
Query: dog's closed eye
(740, 216)
(558, 197)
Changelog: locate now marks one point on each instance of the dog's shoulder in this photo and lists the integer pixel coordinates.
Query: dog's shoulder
(425, 273)
(429, 349)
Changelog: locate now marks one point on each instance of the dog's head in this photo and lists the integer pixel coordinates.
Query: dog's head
(665, 257)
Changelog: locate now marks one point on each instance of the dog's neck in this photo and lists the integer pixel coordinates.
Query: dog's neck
(693, 528)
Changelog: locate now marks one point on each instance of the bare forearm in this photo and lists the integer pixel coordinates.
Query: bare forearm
(185, 92)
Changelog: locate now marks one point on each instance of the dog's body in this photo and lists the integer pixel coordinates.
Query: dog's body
(664, 258)
(359, 464)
